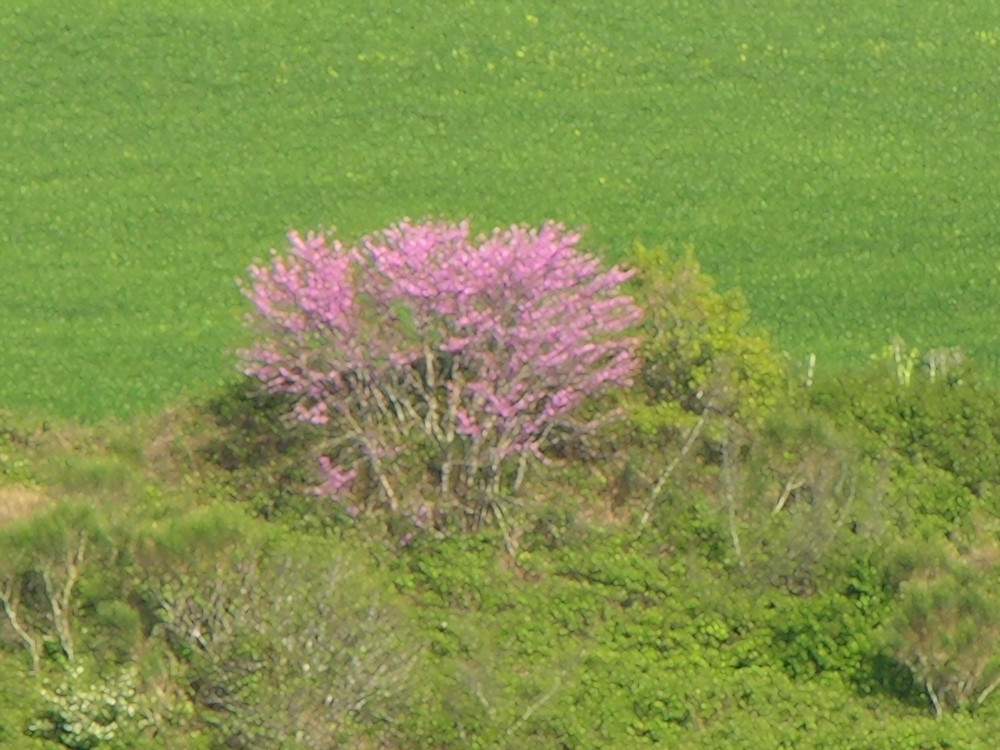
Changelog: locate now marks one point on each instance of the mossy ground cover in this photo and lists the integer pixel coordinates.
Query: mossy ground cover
(835, 160)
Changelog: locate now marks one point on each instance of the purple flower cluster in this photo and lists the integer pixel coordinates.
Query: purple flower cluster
(481, 344)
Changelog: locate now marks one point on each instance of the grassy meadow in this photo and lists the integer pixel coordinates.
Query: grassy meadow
(742, 560)
(836, 160)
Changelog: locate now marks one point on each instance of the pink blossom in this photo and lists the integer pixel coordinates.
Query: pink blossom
(422, 328)
(336, 479)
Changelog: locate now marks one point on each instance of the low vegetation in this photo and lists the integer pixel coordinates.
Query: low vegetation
(724, 558)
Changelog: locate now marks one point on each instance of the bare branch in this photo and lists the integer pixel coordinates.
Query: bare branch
(791, 484)
(661, 481)
(60, 598)
(542, 700)
(10, 598)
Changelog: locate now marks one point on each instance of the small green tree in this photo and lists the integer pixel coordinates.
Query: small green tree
(284, 644)
(947, 626)
(807, 500)
(41, 562)
(699, 353)
(706, 376)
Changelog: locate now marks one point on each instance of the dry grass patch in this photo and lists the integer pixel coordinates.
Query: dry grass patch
(18, 501)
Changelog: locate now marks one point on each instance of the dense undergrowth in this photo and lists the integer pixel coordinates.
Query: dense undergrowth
(740, 561)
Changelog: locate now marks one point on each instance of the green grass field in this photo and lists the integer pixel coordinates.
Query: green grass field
(837, 160)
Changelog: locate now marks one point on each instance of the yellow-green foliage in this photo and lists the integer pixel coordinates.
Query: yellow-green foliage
(700, 355)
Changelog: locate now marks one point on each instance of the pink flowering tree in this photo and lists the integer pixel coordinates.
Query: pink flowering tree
(421, 341)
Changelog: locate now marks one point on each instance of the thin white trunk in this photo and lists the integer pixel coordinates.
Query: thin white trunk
(10, 598)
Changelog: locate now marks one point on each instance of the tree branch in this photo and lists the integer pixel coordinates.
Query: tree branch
(10, 599)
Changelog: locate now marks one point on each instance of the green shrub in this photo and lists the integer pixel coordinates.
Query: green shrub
(286, 640)
(42, 560)
(946, 628)
(699, 352)
(951, 420)
(614, 641)
(118, 627)
(805, 501)
(706, 376)
(81, 714)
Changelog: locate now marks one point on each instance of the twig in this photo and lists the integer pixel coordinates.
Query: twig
(508, 540)
(692, 435)
(10, 598)
(534, 707)
(790, 486)
(989, 689)
(728, 483)
(934, 699)
(60, 601)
